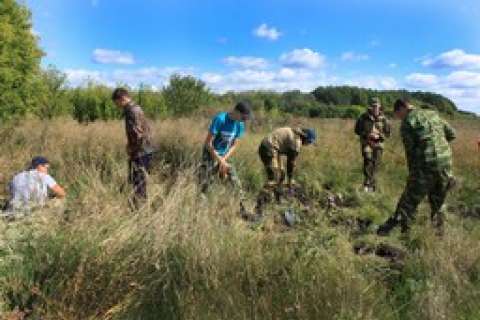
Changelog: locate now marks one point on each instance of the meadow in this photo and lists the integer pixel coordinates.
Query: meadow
(189, 257)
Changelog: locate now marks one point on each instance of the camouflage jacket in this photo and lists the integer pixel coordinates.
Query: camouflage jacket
(138, 132)
(284, 141)
(368, 124)
(426, 138)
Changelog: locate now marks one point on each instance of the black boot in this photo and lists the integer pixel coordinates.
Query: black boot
(387, 227)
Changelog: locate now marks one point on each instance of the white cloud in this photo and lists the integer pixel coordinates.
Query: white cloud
(457, 59)
(462, 87)
(463, 79)
(157, 77)
(264, 31)
(371, 82)
(353, 56)
(303, 58)
(105, 56)
(287, 74)
(211, 78)
(79, 77)
(421, 80)
(246, 62)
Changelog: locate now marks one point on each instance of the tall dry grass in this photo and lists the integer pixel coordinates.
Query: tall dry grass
(190, 257)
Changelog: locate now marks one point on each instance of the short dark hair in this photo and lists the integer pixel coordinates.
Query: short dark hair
(401, 103)
(38, 161)
(119, 93)
(244, 108)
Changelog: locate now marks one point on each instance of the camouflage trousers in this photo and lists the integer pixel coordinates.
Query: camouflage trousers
(209, 171)
(272, 163)
(372, 158)
(433, 184)
(138, 171)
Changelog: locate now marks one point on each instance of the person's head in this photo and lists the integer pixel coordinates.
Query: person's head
(121, 97)
(242, 111)
(40, 164)
(309, 136)
(375, 107)
(401, 108)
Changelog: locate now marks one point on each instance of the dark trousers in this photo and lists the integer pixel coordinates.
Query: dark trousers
(139, 169)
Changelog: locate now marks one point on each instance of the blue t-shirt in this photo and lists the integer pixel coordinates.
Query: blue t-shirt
(225, 131)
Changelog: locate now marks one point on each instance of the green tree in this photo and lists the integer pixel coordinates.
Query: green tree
(92, 103)
(185, 94)
(19, 60)
(53, 99)
(152, 102)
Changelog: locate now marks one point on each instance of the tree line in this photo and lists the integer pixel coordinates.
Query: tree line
(27, 88)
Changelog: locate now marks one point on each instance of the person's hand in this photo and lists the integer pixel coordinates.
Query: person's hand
(223, 168)
(374, 136)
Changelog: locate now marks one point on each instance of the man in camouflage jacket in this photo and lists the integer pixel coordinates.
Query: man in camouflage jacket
(139, 145)
(373, 128)
(281, 142)
(426, 138)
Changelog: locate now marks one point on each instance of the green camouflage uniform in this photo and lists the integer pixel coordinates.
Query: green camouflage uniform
(429, 158)
(372, 150)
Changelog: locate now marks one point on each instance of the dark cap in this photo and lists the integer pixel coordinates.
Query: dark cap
(39, 161)
(310, 135)
(244, 108)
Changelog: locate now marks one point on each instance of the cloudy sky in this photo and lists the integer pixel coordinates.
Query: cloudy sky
(430, 45)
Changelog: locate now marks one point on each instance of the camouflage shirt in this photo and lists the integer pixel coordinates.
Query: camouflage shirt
(285, 141)
(368, 124)
(138, 131)
(426, 137)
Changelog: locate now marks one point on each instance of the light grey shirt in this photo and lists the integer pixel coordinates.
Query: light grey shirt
(29, 189)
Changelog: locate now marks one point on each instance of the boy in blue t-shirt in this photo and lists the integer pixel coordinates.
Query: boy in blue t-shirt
(221, 142)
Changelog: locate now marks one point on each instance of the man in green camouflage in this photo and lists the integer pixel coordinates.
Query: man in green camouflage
(372, 127)
(426, 138)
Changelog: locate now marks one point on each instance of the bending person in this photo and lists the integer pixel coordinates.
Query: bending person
(226, 129)
(426, 138)
(281, 142)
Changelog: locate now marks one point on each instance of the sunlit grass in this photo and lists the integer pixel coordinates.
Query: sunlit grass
(188, 257)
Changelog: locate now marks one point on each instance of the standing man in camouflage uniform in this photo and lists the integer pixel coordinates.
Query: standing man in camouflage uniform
(139, 146)
(426, 138)
(281, 142)
(224, 133)
(372, 127)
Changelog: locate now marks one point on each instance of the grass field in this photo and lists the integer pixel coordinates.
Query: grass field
(186, 257)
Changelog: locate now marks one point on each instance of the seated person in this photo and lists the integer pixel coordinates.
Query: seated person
(29, 189)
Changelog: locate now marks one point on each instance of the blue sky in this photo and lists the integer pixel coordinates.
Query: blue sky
(268, 44)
